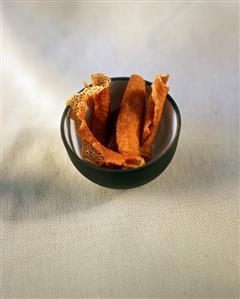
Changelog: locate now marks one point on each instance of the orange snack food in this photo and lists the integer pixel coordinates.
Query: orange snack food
(148, 118)
(130, 118)
(122, 137)
(93, 150)
(154, 108)
(101, 103)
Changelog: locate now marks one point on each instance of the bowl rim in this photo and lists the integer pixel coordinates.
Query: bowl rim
(140, 168)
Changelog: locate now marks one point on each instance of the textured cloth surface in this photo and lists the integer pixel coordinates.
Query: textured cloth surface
(63, 236)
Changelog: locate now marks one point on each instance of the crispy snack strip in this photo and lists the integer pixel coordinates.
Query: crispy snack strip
(93, 150)
(130, 117)
(101, 107)
(154, 108)
(148, 118)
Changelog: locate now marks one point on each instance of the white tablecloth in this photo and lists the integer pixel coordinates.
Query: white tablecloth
(65, 237)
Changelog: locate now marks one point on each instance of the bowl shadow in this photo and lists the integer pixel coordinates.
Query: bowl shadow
(39, 181)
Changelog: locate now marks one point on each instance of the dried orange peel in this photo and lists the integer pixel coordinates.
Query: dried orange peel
(130, 117)
(130, 142)
(101, 106)
(154, 108)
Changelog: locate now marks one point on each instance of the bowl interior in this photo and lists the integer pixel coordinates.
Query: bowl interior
(166, 129)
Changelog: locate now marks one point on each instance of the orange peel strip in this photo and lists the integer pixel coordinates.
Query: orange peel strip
(130, 117)
(148, 118)
(154, 108)
(101, 107)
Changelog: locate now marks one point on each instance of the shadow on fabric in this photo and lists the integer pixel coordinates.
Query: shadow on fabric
(39, 180)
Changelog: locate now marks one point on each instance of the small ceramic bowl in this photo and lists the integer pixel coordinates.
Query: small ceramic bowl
(164, 146)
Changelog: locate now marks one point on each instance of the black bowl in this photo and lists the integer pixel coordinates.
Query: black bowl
(164, 146)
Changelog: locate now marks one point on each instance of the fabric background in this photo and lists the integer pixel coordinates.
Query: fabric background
(63, 236)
